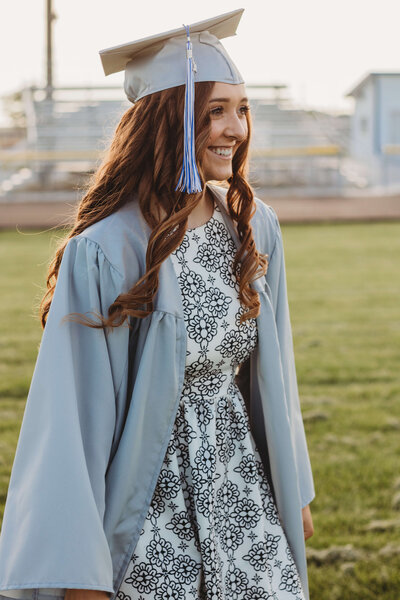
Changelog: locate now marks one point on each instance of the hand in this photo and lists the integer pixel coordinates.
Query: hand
(307, 522)
(75, 594)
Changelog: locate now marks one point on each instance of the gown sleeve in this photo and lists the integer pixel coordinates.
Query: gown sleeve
(277, 289)
(52, 535)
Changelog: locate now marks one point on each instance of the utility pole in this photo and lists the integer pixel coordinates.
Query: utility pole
(46, 168)
(50, 16)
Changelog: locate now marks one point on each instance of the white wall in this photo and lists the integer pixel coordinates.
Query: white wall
(362, 123)
(390, 110)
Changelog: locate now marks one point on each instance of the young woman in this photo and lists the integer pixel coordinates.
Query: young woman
(162, 453)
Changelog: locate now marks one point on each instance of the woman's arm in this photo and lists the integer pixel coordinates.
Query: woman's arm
(72, 594)
(52, 534)
(277, 290)
(307, 522)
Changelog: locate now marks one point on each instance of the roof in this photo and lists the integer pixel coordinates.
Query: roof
(373, 74)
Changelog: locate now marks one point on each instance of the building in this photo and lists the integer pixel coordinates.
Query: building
(375, 126)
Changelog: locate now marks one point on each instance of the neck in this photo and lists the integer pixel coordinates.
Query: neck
(203, 211)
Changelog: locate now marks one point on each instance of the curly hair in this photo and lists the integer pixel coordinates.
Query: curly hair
(143, 162)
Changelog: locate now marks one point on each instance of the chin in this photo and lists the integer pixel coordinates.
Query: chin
(217, 174)
(220, 177)
(215, 169)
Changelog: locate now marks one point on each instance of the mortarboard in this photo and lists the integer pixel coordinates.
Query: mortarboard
(177, 57)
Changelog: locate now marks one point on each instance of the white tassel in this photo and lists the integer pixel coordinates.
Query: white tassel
(189, 180)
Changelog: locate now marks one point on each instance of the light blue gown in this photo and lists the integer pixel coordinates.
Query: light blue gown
(102, 407)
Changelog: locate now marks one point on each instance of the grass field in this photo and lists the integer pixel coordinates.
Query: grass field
(344, 290)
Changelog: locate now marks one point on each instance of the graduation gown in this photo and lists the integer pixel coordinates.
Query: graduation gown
(102, 405)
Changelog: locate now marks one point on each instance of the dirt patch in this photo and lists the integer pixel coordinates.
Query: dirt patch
(383, 525)
(333, 554)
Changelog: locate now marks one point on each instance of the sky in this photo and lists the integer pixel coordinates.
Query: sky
(320, 49)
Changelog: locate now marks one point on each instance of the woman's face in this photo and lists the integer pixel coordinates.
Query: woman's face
(228, 106)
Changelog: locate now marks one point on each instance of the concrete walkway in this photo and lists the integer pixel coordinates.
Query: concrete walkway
(317, 210)
(43, 215)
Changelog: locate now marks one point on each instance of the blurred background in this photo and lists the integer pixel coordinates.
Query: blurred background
(324, 85)
(323, 80)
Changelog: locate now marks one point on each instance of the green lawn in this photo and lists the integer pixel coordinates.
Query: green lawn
(344, 290)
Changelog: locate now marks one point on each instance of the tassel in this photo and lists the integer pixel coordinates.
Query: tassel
(189, 180)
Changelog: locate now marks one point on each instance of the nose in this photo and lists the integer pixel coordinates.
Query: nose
(236, 127)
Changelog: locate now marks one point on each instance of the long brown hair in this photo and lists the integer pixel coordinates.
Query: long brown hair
(144, 161)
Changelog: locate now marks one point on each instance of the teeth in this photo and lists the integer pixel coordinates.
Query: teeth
(222, 151)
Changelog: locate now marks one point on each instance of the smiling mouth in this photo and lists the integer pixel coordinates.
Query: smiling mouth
(225, 152)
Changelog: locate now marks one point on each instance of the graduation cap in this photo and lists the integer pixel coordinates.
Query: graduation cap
(177, 57)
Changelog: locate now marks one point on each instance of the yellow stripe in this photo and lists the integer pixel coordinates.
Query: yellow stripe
(299, 151)
(94, 155)
(391, 149)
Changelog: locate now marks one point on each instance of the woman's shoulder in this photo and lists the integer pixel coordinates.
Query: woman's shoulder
(265, 215)
(121, 237)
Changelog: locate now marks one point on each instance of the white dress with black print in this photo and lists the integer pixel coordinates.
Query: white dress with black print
(212, 531)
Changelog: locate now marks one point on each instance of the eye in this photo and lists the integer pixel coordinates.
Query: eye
(217, 111)
(244, 109)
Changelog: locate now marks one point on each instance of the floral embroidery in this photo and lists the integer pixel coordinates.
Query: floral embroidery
(290, 579)
(144, 578)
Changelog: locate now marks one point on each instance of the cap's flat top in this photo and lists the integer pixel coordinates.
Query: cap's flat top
(114, 59)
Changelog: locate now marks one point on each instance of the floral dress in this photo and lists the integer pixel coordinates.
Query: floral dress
(212, 531)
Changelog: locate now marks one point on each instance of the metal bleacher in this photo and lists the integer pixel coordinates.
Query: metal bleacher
(65, 137)
(74, 125)
(291, 148)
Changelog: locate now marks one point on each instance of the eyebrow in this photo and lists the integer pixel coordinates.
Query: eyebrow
(226, 100)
